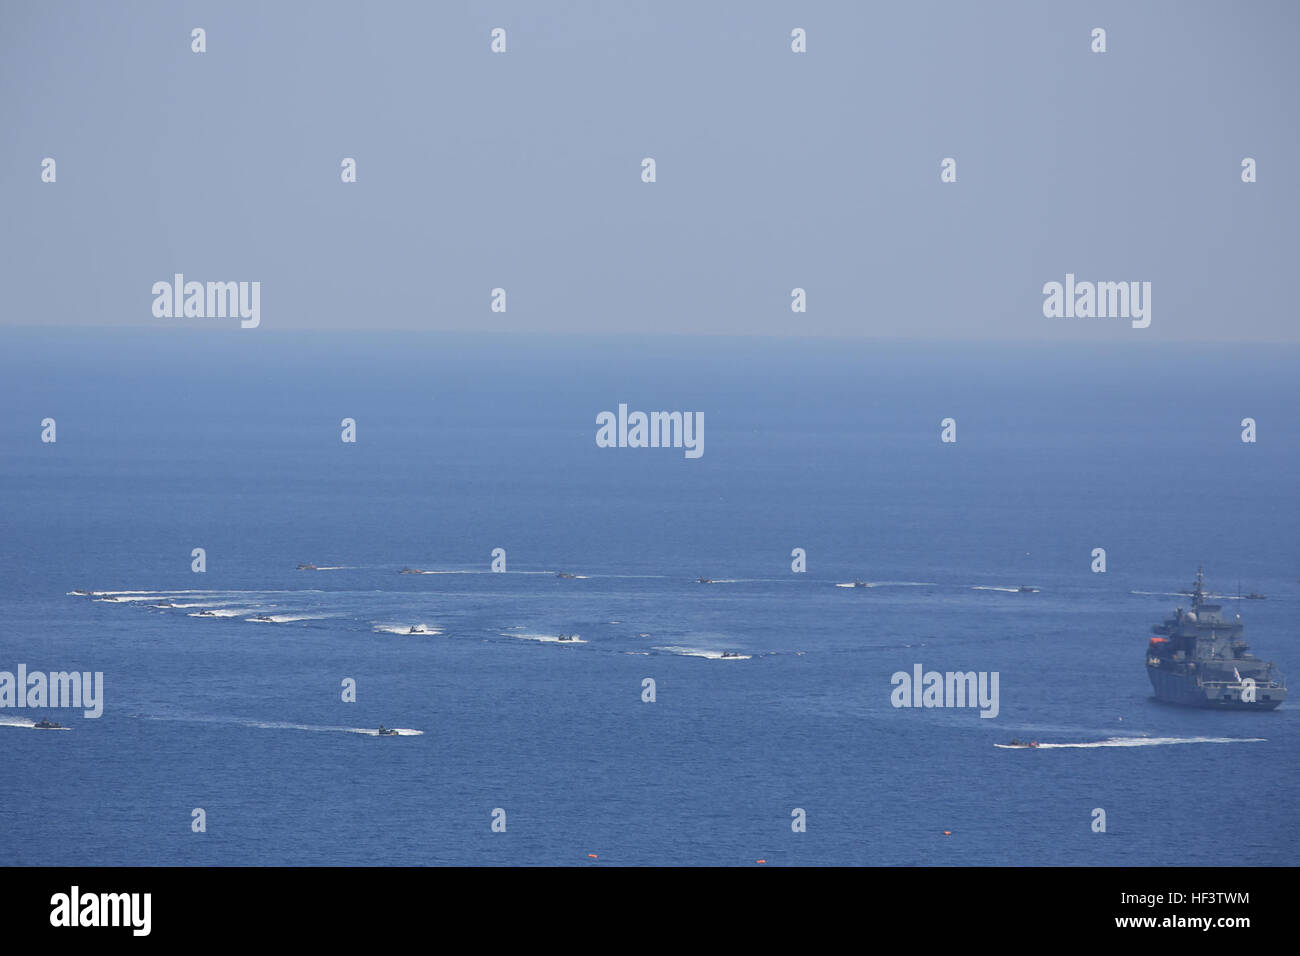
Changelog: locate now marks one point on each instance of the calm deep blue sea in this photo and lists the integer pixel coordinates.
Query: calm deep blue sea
(168, 441)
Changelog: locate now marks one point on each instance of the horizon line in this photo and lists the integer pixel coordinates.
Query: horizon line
(176, 329)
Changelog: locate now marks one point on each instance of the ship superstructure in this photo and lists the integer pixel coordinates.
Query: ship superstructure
(1199, 659)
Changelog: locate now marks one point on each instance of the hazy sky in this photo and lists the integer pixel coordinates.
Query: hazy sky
(775, 170)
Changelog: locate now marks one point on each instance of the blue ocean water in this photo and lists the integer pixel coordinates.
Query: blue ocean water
(231, 442)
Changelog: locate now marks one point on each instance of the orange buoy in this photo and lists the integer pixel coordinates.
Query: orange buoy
(947, 833)
(760, 861)
(593, 856)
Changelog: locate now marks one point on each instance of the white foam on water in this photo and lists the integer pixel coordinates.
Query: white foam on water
(203, 592)
(401, 731)
(226, 612)
(471, 571)
(702, 652)
(893, 584)
(1138, 742)
(405, 629)
(315, 728)
(183, 591)
(279, 725)
(547, 638)
(125, 597)
(287, 618)
(423, 571)
(988, 587)
(24, 723)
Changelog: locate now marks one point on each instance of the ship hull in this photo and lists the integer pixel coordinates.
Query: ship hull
(1172, 687)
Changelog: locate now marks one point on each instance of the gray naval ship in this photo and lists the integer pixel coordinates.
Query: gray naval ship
(1200, 660)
